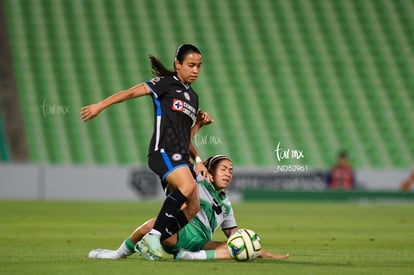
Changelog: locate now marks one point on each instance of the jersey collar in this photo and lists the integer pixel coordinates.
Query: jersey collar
(186, 86)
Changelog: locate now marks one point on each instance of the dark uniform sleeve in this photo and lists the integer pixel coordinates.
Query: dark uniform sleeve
(158, 85)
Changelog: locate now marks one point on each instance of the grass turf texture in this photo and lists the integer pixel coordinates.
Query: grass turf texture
(41, 237)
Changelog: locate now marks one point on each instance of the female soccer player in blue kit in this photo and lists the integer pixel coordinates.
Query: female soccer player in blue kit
(175, 109)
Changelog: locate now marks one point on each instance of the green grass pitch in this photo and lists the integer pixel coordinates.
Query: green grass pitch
(43, 237)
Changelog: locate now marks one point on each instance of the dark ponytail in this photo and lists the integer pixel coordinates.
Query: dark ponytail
(158, 69)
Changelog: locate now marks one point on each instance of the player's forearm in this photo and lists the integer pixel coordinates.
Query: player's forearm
(114, 99)
(266, 254)
(193, 151)
(194, 130)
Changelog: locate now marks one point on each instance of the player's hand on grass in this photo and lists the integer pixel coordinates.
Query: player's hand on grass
(90, 111)
(269, 255)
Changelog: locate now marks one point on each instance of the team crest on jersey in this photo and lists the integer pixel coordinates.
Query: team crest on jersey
(177, 157)
(178, 105)
(187, 96)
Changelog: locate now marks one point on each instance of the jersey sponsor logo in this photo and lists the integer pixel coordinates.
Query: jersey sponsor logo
(178, 105)
(181, 106)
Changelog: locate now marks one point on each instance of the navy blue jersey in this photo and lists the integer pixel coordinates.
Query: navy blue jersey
(175, 109)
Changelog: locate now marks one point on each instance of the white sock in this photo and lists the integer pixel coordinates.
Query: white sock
(123, 251)
(101, 253)
(199, 255)
(155, 232)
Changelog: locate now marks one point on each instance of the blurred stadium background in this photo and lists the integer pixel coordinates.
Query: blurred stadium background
(319, 76)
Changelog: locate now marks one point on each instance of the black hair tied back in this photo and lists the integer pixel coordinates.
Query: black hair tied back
(158, 69)
(183, 50)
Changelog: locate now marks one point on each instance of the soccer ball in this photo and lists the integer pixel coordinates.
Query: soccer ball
(244, 245)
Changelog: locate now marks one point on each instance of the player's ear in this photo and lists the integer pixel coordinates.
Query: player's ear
(177, 65)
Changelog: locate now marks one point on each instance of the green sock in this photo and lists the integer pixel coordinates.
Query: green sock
(130, 245)
(211, 254)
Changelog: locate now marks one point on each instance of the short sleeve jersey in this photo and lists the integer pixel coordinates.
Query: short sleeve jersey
(215, 210)
(175, 109)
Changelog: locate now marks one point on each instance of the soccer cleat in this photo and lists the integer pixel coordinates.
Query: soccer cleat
(100, 253)
(153, 244)
(143, 251)
(150, 247)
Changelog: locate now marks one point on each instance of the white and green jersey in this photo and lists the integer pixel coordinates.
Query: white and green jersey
(215, 210)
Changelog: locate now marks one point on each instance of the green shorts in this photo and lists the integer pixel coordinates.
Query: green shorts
(190, 238)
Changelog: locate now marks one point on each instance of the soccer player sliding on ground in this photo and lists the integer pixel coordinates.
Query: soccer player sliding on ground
(194, 241)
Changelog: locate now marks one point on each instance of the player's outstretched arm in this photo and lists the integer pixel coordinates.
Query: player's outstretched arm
(220, 253)
(91, 111)
(212, 251)
(269, 255)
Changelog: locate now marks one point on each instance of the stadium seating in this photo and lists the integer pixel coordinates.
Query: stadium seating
(317, 76)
